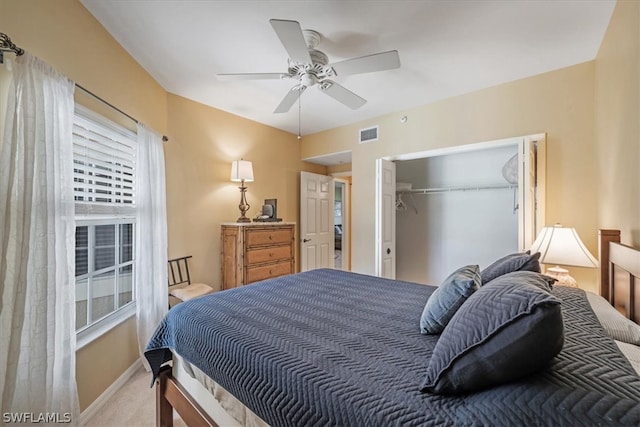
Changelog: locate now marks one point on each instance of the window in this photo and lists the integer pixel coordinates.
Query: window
(104, 269)
(104, 191)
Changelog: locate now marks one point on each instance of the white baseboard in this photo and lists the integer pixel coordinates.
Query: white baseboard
(97, 404)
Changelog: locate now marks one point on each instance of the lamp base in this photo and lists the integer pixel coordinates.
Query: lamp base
(243, 206)
(562, 276)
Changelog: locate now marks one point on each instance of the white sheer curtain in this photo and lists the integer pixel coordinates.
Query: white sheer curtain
(151, 237)
(37, 226)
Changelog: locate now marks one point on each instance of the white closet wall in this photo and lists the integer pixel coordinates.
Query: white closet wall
(454, 228)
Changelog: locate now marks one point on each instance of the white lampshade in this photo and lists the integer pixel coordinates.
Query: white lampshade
(562, 246)
(241, 170)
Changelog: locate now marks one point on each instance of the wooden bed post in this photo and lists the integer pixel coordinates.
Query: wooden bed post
(164, 410)
(604, 238)
(169, 396)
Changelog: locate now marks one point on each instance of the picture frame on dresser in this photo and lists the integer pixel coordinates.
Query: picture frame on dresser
(257, 251)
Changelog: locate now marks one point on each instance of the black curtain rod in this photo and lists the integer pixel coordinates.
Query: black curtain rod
(6, 45)
(164, 138)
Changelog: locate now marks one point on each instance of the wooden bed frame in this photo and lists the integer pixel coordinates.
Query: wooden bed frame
(619, 268)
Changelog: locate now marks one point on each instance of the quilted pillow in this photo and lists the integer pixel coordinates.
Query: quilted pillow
(617, 326)
(500, 334)
(447, 299)
(514, 262)
(527, 277)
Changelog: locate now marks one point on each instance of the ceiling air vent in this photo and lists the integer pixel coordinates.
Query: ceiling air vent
(368, 134)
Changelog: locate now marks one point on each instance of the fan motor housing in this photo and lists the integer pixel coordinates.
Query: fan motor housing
(318, 57)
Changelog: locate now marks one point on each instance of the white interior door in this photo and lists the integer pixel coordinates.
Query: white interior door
(385, 219)
(316, 221)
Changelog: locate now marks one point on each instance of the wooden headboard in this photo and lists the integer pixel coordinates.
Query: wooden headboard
(619, 272)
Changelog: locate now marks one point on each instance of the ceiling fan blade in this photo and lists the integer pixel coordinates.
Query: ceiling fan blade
(252, 76)
(366, 64)
(291, 37)
(290, 98)
(341, 94)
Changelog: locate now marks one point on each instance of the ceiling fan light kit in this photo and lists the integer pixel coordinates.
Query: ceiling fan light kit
(311, 67)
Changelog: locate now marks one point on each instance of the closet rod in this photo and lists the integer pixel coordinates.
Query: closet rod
(459, 188)
(6, 45)
(164, 138)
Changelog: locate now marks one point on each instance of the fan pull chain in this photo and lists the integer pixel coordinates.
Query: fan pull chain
(299, 113)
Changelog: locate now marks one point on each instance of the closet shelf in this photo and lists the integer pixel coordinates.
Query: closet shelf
(459, 188)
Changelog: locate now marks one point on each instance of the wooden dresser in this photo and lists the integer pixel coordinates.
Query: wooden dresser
(256, 251)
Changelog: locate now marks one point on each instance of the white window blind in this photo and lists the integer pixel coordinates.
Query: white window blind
(104, 157)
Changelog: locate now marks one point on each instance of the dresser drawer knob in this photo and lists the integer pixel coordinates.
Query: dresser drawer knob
(270, 237)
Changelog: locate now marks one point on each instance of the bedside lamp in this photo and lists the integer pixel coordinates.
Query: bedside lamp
(241, 171)
(562, 245)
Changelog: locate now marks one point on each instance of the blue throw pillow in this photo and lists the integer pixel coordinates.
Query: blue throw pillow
(514, 262)
(500, 334)
(447, 299)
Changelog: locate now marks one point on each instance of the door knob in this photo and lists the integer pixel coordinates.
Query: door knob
(388, 251)
(306, 240)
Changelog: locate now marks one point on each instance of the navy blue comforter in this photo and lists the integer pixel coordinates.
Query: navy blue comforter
(327, 347)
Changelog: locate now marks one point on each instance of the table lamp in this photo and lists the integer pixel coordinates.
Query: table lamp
(241, 171)
(562, 246)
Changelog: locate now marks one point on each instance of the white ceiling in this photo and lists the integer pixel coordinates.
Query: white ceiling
(446, 48)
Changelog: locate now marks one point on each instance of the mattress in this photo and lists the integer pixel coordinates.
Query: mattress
(218, 403)
(335, 348)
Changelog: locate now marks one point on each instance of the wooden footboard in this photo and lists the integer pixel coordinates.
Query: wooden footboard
(169, 396)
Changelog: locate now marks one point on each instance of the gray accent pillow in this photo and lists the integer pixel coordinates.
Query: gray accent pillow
(500, 334)
(617, 326)
(514, 262)
(516, 278)
(447, 299)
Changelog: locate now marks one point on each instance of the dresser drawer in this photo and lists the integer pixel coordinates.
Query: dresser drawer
(273, 253)
(255, 274)
(268, 237)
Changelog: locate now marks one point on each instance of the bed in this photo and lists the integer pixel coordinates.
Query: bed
(333, 348)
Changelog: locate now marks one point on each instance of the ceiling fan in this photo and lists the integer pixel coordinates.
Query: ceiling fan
(311, 67)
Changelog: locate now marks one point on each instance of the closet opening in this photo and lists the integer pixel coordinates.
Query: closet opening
(458, 206)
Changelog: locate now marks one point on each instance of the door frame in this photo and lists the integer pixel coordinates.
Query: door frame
(535, 222)
(346, 221)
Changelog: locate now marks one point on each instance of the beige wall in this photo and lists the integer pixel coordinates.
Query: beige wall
(99, 364)
(560, 103)
(617, 118)
(200, 196)
(65, 35)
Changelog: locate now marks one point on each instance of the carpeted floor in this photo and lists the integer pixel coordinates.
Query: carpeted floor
(133, 405)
